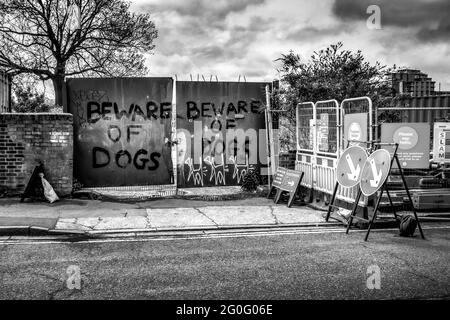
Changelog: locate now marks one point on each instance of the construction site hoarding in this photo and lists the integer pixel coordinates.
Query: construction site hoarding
(121, 130)
(220, 132)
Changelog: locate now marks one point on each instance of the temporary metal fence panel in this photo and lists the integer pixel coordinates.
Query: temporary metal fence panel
(305, 115)
(353, 106)
(322, 136)
(318, 143)
(326, 145)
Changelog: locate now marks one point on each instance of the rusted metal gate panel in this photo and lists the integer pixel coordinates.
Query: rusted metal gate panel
(121, 129)
(214, 118)
(5, 92)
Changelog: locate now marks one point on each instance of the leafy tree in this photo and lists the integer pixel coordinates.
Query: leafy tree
(54, 39)
(28, 99)
(331, 73)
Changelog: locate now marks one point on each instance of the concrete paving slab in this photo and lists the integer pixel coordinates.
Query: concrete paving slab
(136, 212)
(239, 215)
(47, 223)
(70, 224)
(88, 222)
(65, 208)
(17, 211)
(178, 217)
(285, 215)
(14, 208)
(103, 223)
(92, 212)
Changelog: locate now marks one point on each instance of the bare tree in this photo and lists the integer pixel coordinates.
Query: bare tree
(54, 39)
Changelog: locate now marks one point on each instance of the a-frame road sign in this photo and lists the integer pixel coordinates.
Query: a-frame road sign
(378, 167)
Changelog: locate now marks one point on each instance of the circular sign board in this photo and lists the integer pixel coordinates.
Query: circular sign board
(375, 172)
(348, 171)
(354, 131)
(406, 137)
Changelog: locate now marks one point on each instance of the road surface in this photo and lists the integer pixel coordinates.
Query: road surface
(307, 264)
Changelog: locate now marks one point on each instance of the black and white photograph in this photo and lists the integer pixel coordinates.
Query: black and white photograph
(216, 158)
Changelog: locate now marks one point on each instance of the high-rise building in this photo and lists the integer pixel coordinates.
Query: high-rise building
(412, 82)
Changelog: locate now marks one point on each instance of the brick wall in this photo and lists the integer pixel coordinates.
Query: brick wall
(26, 139)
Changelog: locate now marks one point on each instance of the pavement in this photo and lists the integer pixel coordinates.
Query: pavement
(99, 216)
(126, 210)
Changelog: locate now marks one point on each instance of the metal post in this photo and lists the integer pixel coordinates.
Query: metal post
(374, 214)
(391, 203)
(355, 207)
(407, 192)
(175, 138)
(277, 196)
(333, 197)
(314, 146)
(381, 193)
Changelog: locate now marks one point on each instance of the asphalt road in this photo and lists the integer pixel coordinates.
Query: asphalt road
(322, 265)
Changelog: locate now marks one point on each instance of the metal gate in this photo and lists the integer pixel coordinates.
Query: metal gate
(320, 141)
(131, 131)
(122, 129)
(221, 132)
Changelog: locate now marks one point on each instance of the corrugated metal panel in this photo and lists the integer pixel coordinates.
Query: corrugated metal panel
(427, 109)
(207, 112)
(5, 92)
(420, 109)
(120, 131)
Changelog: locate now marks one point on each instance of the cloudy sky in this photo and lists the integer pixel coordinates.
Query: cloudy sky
(229, 38)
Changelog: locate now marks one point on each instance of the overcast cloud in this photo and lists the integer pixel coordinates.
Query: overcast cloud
(236, 37)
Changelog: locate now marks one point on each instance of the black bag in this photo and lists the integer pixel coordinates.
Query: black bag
(407, 226)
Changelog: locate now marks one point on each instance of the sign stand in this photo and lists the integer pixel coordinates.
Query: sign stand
(277, 180)
(385, 188)
(286, 180)
(34, 179)
(336, 187)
